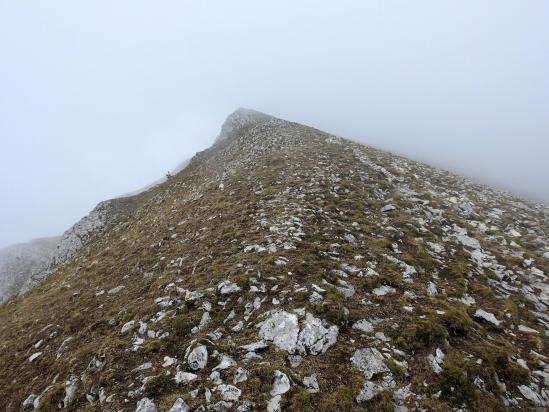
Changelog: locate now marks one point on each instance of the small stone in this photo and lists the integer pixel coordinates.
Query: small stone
(114, 291)
(274, 404)
(383, 290)
(387, 208)
(311, 383)
(487, 316)
(281, 384)
(240, 375)
(229, 392)
(179, 406)
(369, 361)
(526, 329)
(295, 360)
(168, 361)
(184, 377)
(29, 402)
(198, 358)
(227, 287)
(364, 326)
(127, 326)
(146, 405)
(252, 347)
(34, 356)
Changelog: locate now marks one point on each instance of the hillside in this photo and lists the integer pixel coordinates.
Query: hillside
(287, 269)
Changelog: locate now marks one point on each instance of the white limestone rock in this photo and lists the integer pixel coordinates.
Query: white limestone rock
(487, 316)
(229, 393)
(184, 377)
(315, 337)
(34, 356)
(146, 405)
(198, 358)
(226, 287)
(282, 329)
(369, 361)
(179, 406)
(363, 325)
(311, 383)
(240, 375)
(387, 208)
(127, 326)
(281, 384)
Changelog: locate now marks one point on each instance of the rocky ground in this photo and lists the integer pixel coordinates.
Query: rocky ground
(287, 269)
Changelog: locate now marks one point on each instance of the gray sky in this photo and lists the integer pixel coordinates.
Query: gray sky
(99, 98)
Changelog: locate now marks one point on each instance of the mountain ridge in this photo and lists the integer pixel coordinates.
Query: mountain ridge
(285, 267)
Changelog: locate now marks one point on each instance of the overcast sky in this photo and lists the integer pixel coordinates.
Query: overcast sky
(98, 98)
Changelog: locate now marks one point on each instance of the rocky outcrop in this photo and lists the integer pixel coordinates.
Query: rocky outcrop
(19, 263)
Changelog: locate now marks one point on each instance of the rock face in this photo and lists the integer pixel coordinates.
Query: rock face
(19, 263)
(285, 268)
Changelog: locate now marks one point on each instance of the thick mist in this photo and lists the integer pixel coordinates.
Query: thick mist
(101, 98)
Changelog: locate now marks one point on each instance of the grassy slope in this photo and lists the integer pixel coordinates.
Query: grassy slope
(191, 218)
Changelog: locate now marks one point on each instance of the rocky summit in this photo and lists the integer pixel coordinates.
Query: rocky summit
(285, 268)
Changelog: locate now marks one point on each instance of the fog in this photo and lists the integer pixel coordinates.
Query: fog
(100, 98)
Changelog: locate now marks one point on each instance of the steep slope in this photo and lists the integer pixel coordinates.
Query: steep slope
(287, 268)
(19, 262)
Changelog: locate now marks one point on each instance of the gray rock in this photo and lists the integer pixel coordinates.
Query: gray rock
(184, 377)
(487, 316)
(363, 325)
(179, 406)
(274, 404)
(531, 395)
(247, 406)
(198, 358)
(282, 329)
(225, 363)
(240, 375)
(383, 290)
(369, 391)
(387, 208)
(127, 326)
(295, 360)
(229, 392)
(227, 287)
(281, 384)
(146, 405)
(311, 383)
(252, 347)
(314, 338)
(369, 361)
(29, 402)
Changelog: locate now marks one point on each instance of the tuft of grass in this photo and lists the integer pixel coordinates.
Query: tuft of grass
(422, 334)
(301, 401)
(457, 321)
(52, 399)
